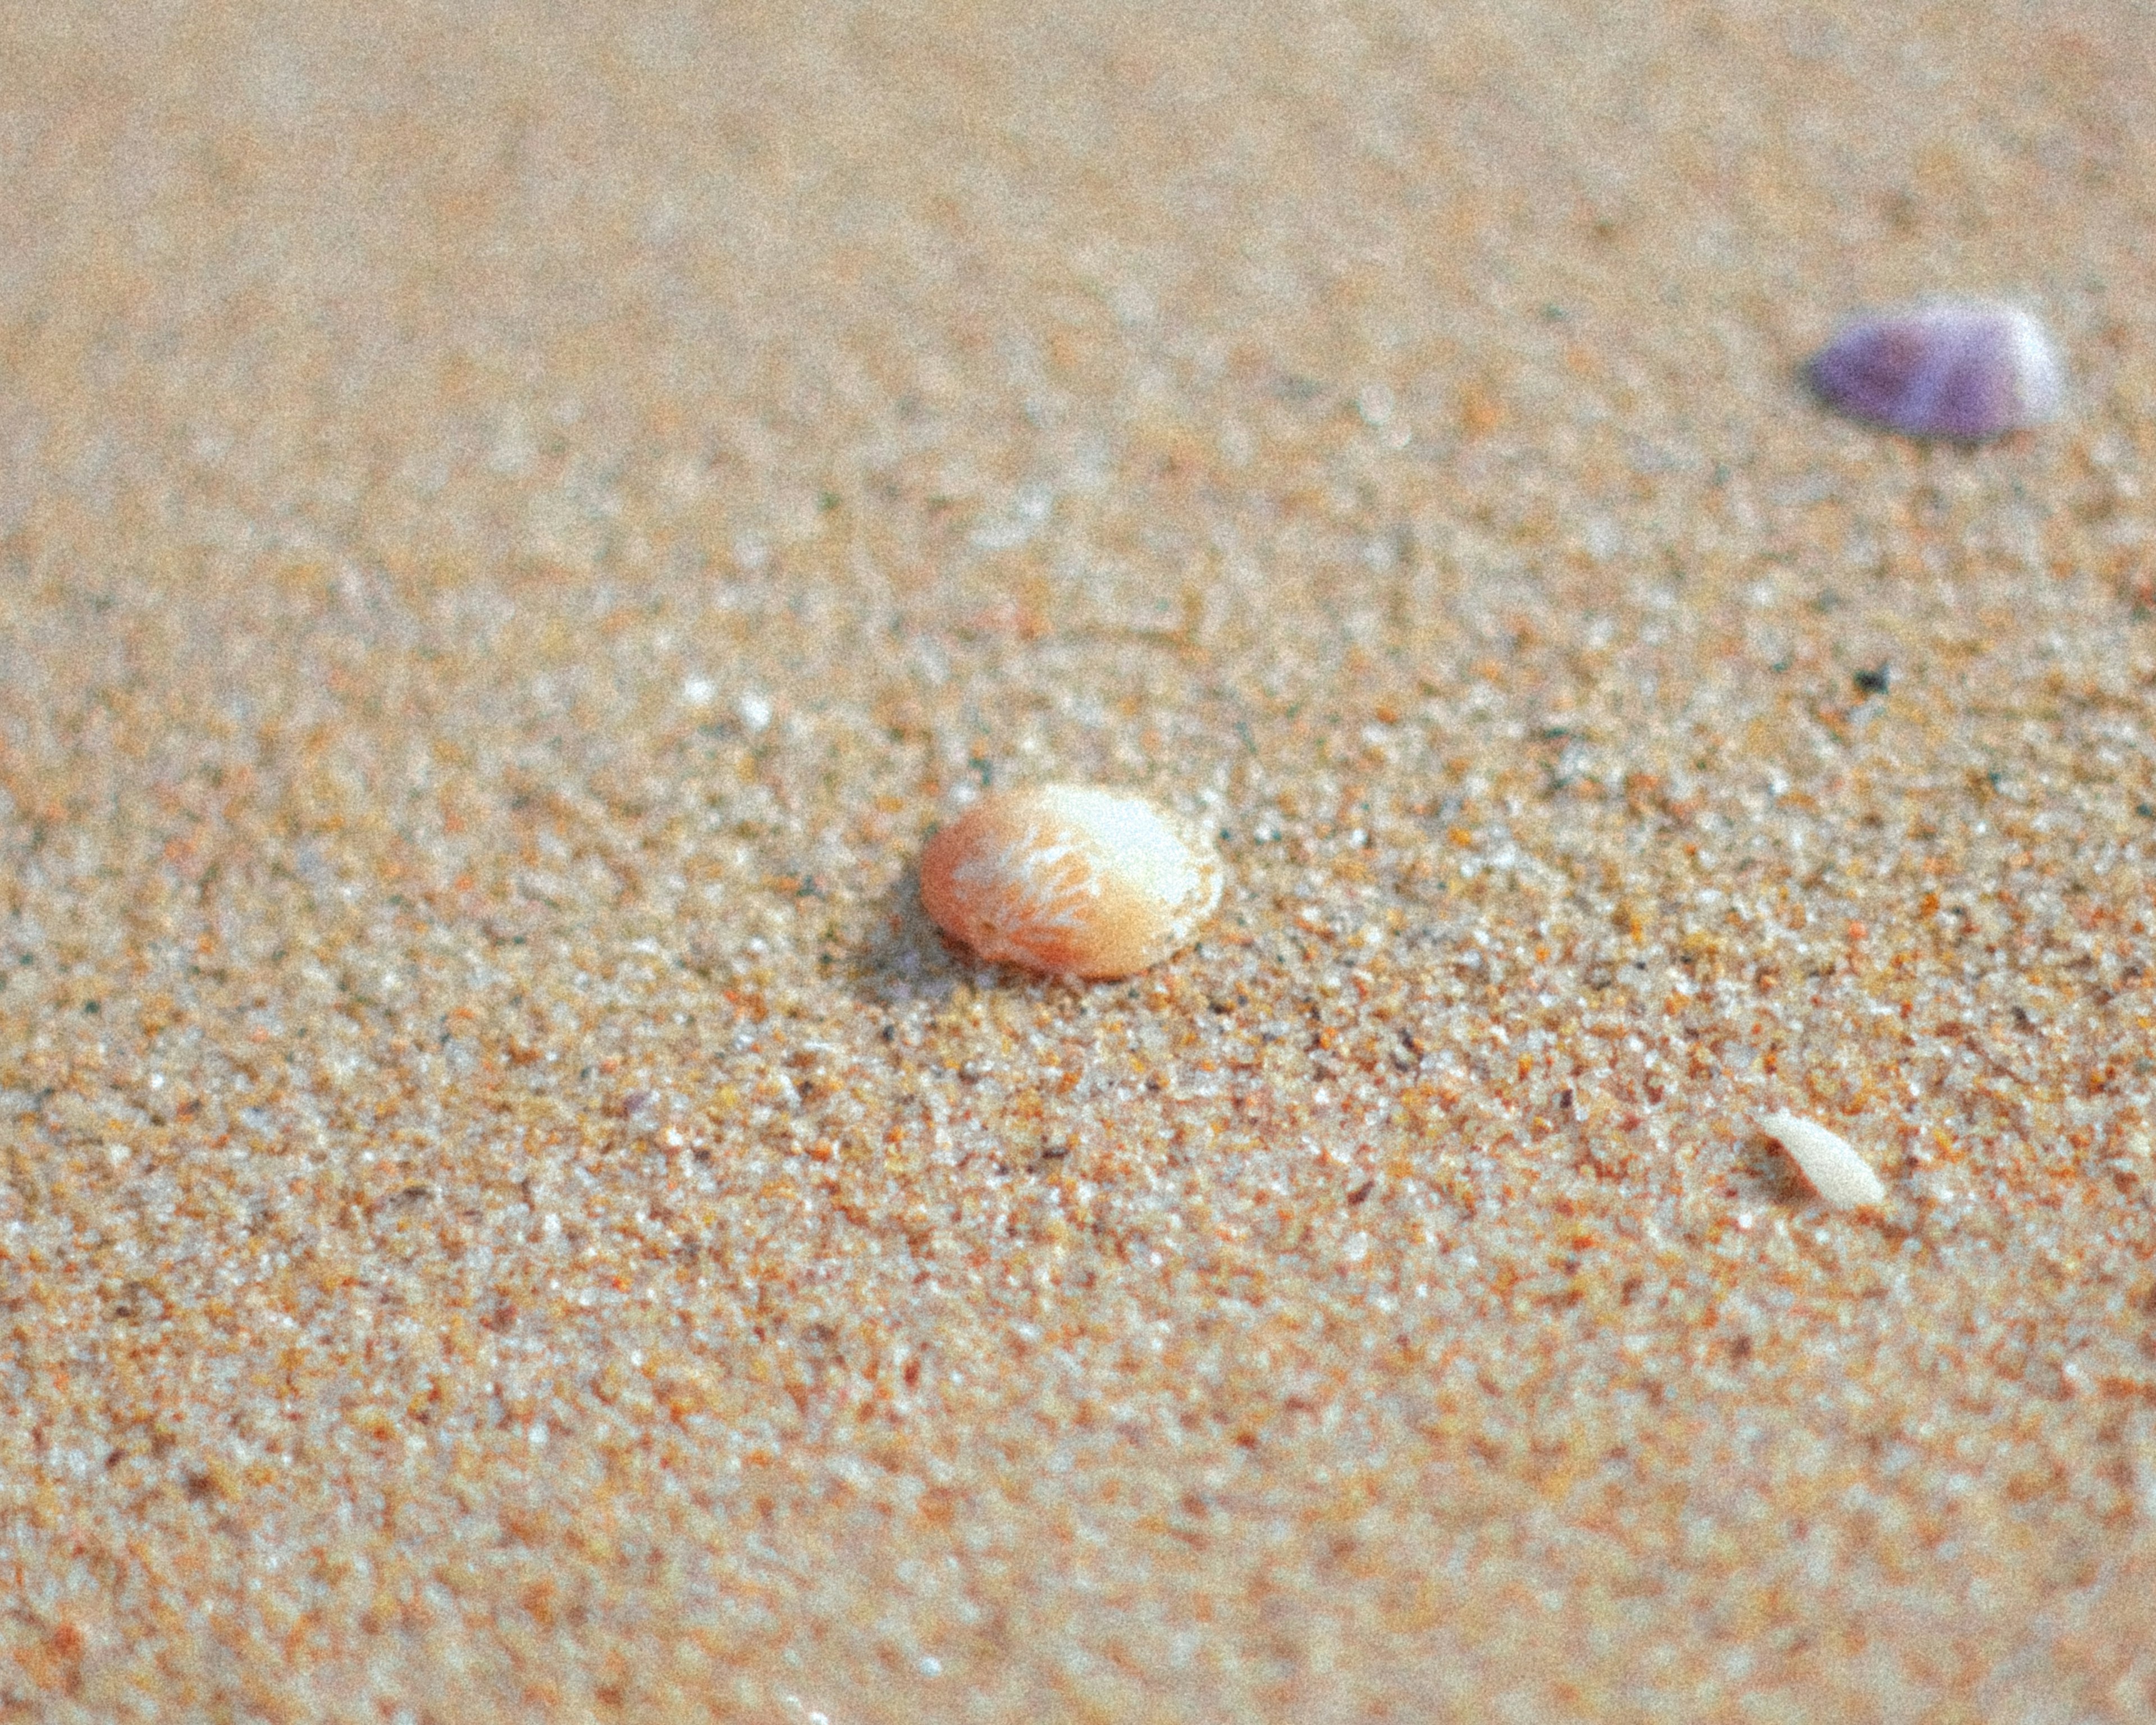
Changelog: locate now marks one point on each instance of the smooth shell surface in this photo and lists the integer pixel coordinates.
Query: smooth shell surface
(1836, 1172)
(1966, 370)
(1068, 878)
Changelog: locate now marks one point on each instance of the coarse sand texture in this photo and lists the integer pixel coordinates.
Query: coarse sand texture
(549, 553)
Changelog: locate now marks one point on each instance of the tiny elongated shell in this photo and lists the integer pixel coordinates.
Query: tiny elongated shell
(1963, 369)
(1837, 1173)
(1068, 878)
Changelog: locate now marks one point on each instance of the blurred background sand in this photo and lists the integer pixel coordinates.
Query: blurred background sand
(516, 520)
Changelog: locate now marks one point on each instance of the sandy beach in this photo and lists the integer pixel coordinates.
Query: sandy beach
(516, 521)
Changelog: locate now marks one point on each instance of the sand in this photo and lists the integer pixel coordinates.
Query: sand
(515, 523)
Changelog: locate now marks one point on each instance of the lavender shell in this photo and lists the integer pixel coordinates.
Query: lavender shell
(1966, 370)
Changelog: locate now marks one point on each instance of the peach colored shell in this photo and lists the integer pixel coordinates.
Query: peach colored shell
(1068, 878)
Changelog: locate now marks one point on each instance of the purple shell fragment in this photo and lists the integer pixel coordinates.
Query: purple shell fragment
(1947, 368)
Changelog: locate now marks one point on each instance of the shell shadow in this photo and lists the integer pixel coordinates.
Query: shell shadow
(1804, 377)
(1763, 1168)
(1813, 378)
(904, 957)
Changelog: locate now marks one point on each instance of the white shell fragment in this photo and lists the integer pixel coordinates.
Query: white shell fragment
(1068, 878)
(1961, 369)
(1842, 1178)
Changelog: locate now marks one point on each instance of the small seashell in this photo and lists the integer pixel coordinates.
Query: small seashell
(1837, 1173)
(1068, 878)
(1947, 368)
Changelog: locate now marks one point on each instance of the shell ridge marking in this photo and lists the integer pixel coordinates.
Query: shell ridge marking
(1018, 869)
(1042, 909)
(1033, 895)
